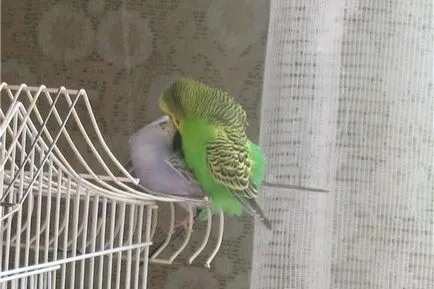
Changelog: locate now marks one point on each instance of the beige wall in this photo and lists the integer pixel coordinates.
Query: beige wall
(124, 53)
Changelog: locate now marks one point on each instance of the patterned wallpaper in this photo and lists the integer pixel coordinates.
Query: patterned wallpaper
(125, 53)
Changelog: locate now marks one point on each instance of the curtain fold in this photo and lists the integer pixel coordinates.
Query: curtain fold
(347, 107)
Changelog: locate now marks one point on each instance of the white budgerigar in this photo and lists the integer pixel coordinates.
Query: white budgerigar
(156, 159)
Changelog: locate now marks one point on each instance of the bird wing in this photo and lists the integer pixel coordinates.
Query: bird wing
(177, 164)
(229, 164)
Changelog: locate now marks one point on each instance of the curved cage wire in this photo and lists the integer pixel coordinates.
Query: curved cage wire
(71, 215)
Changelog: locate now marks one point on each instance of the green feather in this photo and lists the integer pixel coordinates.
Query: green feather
(196, 134)
(212, 124)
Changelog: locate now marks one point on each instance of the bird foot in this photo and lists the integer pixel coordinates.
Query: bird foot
(183, 223)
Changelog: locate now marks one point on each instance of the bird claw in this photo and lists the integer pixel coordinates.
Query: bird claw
(184, 223)
(207, 201)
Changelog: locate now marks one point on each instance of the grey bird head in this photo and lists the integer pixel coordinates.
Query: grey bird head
(157, 164)
(163, 127)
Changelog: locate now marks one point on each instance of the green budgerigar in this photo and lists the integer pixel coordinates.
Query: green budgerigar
(212, 125)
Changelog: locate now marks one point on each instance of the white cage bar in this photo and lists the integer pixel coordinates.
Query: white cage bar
(71, 215)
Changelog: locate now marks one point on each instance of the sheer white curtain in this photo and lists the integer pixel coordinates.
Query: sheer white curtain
(348, 107)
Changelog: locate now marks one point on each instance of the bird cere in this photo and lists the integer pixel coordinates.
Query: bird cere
(203, 150)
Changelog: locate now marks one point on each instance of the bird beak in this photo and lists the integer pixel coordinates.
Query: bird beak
(175, 123)
(171, 127)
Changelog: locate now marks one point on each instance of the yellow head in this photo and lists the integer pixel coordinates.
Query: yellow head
(173, 99)
(168, 106)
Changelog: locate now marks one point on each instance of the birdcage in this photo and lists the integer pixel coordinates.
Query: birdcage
(71, 215)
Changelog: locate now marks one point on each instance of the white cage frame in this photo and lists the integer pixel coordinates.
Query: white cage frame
(48, 208)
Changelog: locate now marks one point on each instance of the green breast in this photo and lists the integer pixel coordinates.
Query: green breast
(196, 134)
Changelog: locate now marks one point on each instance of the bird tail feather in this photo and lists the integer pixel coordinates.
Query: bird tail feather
(252, 207)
